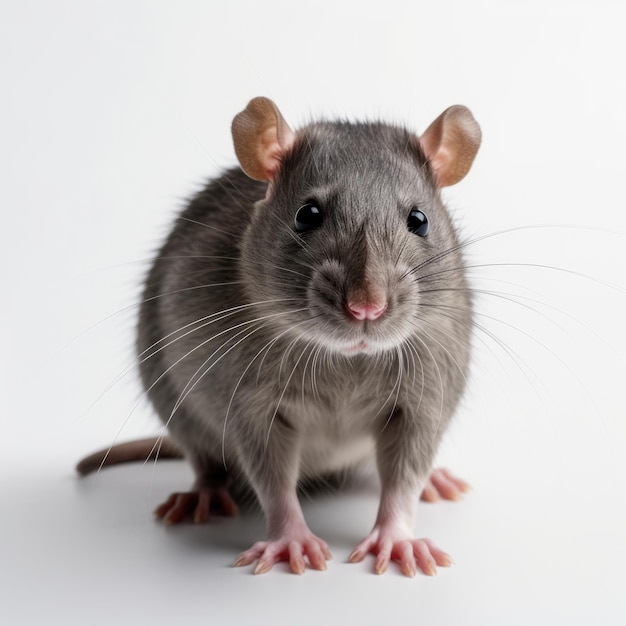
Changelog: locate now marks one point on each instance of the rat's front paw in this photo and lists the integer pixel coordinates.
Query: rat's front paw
(292, 547)
(410, 553)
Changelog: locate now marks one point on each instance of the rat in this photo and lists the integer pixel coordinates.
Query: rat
(309, 312)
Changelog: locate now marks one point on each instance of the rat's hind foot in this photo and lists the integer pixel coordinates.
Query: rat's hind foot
(293, 548)
(199, 504)
(442, 483)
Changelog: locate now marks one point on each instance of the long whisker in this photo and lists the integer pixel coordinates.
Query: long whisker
(198, 325)
(163, 374)
(438, 375)
(504, 231)
(450, 312)
(267, 346)
(397, 384)
(282, 395)
(531, 265)
(435, 340)
(188, 389)
(134, 305)
(514, 298)
(522, 365)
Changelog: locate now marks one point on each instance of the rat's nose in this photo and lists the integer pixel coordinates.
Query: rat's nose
(366, 311)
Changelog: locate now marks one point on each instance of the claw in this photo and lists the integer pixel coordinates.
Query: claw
(292, 549)
(388, 545)
(199, 504)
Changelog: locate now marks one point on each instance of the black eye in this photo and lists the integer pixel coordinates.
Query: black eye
(417, 223)
(308, 217)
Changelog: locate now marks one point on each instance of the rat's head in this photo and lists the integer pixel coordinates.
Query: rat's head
(352, 240)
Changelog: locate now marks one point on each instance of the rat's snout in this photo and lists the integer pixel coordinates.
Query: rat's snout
(366, 306)
(367, 311)
(366, 295)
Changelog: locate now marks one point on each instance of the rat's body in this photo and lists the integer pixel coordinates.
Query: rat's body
(294, 330)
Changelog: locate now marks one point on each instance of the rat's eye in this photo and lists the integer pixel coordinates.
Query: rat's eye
(308, 217)
(417, 222)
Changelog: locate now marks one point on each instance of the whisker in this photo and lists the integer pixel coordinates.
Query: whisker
(522, 365)
(184, 218)
(267, 346)
(434, 339)
(163, 374)
(190, 387)
(184, 392)
(282, 395)
(514, 298)
(214, 317)
(505, 231)
(398, 384)
(134, 305)
(440, 380)
(448, 311)
(531, 265)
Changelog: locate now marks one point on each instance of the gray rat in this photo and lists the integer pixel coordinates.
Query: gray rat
(309, 312)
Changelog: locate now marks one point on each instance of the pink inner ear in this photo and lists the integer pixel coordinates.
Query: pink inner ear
(429, 144)
(286, 137)
(273, 163)
(440, 164)
(269, 151)
(437, 154)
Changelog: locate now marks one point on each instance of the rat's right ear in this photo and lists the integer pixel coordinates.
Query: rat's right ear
(450, 143)
(261, 137)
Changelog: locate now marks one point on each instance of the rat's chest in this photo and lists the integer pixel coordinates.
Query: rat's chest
(338, 430)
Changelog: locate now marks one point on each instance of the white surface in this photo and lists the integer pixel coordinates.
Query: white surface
(113, 112)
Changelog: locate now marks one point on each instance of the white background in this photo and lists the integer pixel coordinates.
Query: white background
(113, 112)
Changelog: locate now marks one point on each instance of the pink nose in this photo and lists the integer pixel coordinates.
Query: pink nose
(366, 311)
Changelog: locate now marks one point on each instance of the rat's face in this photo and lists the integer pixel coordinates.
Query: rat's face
(353, 240)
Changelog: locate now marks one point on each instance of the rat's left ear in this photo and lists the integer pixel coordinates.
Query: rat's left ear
(261, 137)
(450, 143)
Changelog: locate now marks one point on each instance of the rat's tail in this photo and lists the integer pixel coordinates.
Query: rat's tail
(139, 450)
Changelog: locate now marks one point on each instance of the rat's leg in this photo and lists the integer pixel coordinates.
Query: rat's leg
(271, 464)
(209, 494)
(405, 449)
(442, 483)
(288, 538)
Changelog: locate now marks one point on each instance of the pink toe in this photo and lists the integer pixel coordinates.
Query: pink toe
(445, 485)
(424, 559)
(407, 560)
(383, 557)
(429, 493)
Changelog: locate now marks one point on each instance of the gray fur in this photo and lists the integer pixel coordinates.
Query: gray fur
(302, 407)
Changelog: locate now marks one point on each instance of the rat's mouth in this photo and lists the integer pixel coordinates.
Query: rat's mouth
(355, 348)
